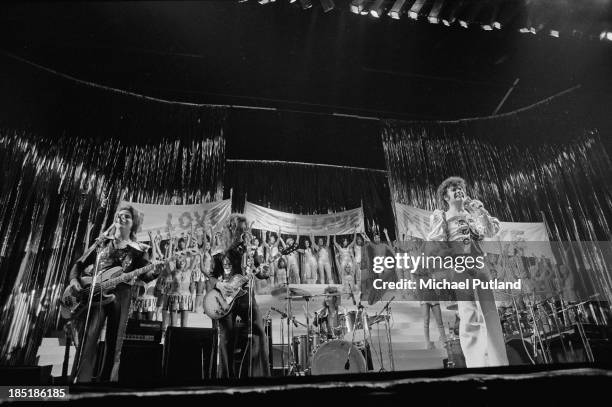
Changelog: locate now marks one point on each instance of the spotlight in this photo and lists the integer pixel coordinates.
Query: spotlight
(469, 13)
(488, 16)
(262, 2)
(416, 9)
(554, 33)
(306, 4)
(397, 9)
(327, 5)
(606, 35)
(378, 8)
(357, 6)
(434, 14)
(449, 13)
(507, 13)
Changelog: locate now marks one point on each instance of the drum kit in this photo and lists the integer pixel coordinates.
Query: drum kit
(554, 322)
(326, 349)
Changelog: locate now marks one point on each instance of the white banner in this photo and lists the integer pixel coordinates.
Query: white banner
(179, 218)
(340, 223)
(414, 222)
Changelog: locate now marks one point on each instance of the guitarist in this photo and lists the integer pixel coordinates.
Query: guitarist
(225, 265)
(118, 248)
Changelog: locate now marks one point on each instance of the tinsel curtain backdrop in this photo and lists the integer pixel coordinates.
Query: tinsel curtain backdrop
(525, 167)
(57, 194)
(310, 189)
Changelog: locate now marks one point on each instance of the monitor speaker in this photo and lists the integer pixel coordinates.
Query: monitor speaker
(189, 354)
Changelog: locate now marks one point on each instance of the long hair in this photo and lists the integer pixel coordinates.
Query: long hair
(136, 219)
(336, 300)
(444, 186)
(236, 226)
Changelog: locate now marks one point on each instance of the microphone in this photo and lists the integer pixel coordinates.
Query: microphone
(283, 314)
(294, 322)
(347, 365)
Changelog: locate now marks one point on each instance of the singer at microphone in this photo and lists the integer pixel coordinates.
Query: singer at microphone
(461, 223)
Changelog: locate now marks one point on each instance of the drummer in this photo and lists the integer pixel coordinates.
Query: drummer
(331, 318)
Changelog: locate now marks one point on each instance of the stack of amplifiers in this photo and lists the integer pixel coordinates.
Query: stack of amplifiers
(141, 355)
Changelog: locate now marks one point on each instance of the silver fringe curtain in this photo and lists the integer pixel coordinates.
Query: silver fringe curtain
(56, 195)
(527, 167)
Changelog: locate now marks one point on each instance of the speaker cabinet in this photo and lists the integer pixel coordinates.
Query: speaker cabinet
(189, 354)
(141, 363)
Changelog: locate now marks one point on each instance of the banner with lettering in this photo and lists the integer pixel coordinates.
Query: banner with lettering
(529, 239)
(179, 218)
(339, 223)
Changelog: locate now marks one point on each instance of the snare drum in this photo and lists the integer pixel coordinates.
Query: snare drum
(331, 358)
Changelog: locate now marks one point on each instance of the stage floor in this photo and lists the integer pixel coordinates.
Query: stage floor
(514, 385)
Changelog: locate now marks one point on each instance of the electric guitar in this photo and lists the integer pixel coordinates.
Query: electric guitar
(74, 302)
(217, 305)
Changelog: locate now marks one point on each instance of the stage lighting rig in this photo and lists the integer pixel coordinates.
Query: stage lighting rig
(468, 14)
(327, 5)
(416, 9)
(306, 4)
(508, 11)
(436, 10)
(449, 13)
(398, 8)
(357, 6)
(378, 8)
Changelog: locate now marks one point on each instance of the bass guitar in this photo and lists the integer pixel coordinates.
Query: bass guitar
(74, 302)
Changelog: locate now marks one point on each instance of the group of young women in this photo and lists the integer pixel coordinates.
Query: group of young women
(181, 287)
(312, 262)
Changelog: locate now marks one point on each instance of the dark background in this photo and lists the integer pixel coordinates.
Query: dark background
(278, 55)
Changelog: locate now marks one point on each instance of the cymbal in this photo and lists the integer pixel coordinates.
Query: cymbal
(328, 295)
(293, 291)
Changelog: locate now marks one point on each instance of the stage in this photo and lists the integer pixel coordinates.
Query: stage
(553, 385)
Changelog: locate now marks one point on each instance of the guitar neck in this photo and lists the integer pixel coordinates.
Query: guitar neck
(125, 277)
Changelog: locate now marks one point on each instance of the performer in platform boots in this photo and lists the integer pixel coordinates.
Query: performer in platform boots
(119, 249)
(226, 264)
(463, 223)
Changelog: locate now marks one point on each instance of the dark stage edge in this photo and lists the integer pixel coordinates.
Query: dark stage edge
(579, 385)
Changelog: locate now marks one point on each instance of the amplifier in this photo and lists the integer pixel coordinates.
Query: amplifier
(141, 362)
(189, 355)
(139, 331)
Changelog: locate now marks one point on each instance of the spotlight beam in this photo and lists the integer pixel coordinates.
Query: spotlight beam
(397, 9)
(416, 9)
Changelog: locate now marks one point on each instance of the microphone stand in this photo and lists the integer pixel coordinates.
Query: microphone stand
(291, 360)
(387, 309)
(347, 365)
(97, 246)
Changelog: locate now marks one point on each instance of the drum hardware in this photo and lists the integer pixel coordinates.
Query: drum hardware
(452, 307)
(329, 358)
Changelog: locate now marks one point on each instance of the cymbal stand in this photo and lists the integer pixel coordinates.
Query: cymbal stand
(538, 337)
(389, 340)
(585, 341)
(555, 320)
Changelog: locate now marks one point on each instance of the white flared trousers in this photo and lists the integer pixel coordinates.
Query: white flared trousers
(480, 331)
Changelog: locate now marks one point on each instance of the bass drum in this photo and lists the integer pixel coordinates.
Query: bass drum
(330, 358)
